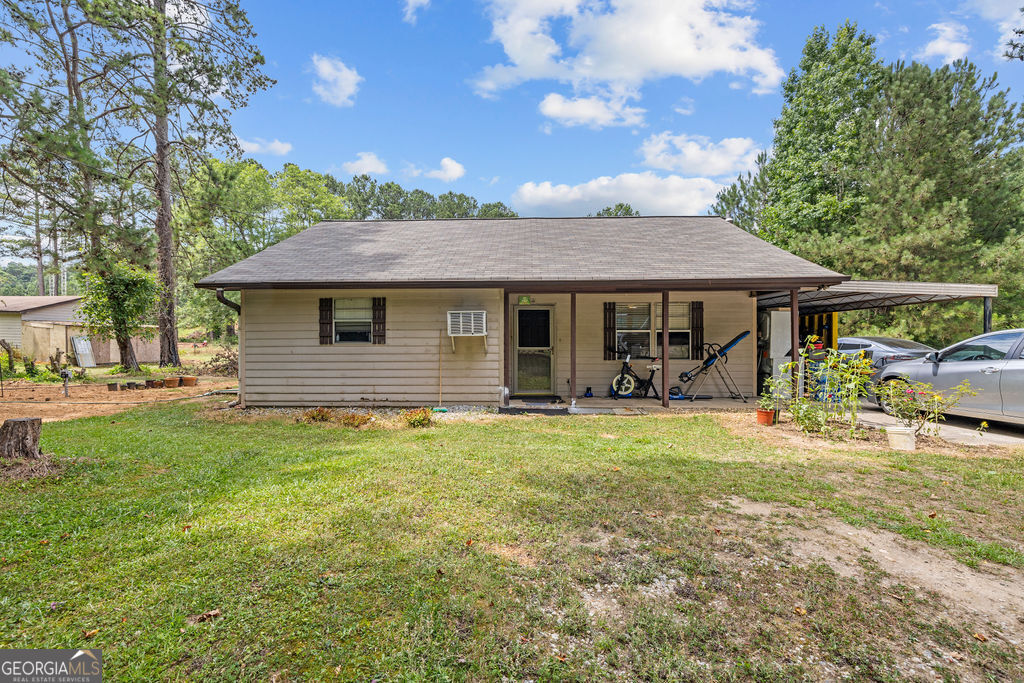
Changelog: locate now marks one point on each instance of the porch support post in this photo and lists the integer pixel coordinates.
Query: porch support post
(506, 343)
(664, 348)
(794, 314)
(987, 323)
(572, 349)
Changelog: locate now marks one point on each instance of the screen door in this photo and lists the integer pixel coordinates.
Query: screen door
(533, 351)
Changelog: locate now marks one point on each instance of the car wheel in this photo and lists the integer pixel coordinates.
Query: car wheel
(886, 408)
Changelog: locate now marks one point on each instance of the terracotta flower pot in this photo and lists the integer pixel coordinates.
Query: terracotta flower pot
(150, 383)
(171, 382)
(158, 384)
(765, 417)
(189, 381)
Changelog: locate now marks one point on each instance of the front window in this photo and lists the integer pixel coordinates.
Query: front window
(633, 330)
(678, 329)
(353, 320)
(990, 347)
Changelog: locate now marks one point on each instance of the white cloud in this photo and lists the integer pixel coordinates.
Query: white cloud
(450, 170)
(590, 111)
(686, 106)
(411, 7)
(1005, 14)
(261, 146)
(365, 162)
(336, 83)
(699, 155)
(950, 42)
(646, 192)
(617, 46)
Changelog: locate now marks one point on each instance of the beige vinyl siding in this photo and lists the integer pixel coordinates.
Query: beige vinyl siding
(283, 363)
(10, 328)
(726, 314)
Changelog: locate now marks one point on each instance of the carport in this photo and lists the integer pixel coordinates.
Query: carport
(816, 309)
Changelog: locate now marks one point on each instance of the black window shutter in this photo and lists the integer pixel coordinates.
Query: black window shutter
(327, 321)
(610, 347)
(697, 330)
(379, 319)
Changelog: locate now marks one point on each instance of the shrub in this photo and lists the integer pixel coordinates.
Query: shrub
(318, 414)
(354, 420)
(420, 417)
(918, 404)
(30, 367)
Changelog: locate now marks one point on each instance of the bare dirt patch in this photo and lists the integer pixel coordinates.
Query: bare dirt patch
(23, 470)
(27, 399)
(512, 553)
(991, 594)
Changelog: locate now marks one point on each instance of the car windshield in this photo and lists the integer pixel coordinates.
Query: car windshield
(907, 344)
(991, 347)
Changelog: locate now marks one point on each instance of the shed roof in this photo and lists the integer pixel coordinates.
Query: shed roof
(856, 295)
(22, 304)
(696, 252)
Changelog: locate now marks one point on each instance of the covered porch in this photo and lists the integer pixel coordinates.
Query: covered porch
(562, 348)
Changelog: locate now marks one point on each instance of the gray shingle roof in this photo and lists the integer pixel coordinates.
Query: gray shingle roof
(700, 251)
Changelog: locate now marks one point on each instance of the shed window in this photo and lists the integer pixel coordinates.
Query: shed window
(353, 320)
(678, 329)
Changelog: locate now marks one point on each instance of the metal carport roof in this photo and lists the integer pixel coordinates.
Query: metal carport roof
(855, 295)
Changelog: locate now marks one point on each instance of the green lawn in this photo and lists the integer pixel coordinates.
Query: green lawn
(475, 550)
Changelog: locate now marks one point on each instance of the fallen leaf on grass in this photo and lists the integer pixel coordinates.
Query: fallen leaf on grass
(200, 618)
(981, 637)
(560, 658)
(65, 535)
(932, 515)
(89, 634)
(524, 640)
(797, 609)
(469, 542)
(616, 469)
(186, 527)
(45, 541)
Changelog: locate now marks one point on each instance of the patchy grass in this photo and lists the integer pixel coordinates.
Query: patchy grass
(548, 548)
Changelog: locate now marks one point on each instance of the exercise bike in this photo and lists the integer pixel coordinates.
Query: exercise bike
(627, 381)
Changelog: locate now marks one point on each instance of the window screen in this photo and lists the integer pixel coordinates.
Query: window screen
(353, 320)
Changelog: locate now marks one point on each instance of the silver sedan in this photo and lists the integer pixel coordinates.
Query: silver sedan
(993, 363)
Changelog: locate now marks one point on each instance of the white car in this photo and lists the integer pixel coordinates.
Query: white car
(993, 363)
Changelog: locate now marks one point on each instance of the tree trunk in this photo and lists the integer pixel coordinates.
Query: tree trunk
(166, 319)
(127, 354)
(19, 438)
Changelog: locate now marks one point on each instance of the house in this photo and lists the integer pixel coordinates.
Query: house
(468, 311)
(38, 325)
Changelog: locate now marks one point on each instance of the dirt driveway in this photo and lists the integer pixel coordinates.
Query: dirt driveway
(26, 399)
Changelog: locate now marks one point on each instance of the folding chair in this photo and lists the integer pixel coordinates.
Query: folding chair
(713, 353)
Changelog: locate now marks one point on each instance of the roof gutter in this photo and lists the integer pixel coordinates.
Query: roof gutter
(602, 286)
(228, 302)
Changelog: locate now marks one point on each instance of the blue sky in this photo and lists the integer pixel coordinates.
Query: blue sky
(560, 107)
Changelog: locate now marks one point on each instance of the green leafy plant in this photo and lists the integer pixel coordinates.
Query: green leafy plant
(420, 417)
(833, 386)
(30, 368)
(916, 405)
(117, 304)
(318, 414)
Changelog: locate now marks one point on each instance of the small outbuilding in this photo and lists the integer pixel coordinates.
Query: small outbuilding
(38, 325)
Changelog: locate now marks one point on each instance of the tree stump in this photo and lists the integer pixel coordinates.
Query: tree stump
(19, 438)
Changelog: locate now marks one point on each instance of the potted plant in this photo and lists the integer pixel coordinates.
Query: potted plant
(188, 380)
(770, 401)
(171, 382)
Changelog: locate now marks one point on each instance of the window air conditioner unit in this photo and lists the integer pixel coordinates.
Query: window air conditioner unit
(467, 324)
